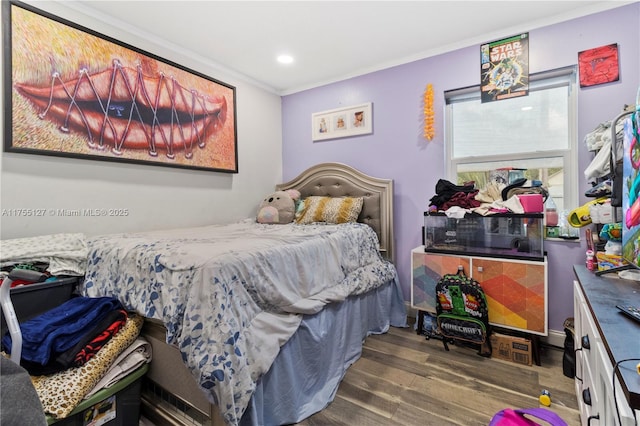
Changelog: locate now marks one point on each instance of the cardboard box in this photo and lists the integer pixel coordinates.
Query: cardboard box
(511, 348)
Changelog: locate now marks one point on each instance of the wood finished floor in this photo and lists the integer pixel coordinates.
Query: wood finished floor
(404, 379)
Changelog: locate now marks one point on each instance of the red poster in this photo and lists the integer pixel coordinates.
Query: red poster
(599, 65)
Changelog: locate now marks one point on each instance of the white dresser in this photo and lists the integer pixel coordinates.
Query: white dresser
(604, 338)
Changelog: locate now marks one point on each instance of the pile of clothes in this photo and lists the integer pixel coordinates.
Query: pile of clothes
(64, 254)
(74, 350)
(68, 335)
(496, 197)
(449, 195)
(77, 348)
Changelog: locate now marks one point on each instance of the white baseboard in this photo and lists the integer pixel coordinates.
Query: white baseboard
(554, 338)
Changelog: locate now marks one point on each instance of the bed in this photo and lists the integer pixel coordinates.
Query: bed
(256, 324)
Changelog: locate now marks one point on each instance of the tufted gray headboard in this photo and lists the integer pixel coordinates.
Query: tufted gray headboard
(340, 180)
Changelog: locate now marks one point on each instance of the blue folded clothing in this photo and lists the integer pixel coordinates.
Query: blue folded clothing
(60, 328)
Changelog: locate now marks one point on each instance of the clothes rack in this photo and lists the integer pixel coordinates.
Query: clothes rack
(613, 159)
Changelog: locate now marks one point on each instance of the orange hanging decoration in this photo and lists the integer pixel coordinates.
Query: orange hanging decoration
(429, 131)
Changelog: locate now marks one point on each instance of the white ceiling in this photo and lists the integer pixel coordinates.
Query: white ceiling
(330, 40)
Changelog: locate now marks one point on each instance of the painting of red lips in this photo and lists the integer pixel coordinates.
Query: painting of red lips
(76, 93)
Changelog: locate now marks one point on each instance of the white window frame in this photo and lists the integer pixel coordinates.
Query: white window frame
(538, 81)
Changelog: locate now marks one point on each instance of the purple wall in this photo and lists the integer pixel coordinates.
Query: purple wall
(397, 150)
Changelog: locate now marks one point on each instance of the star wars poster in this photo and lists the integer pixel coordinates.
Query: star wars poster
(504, 68)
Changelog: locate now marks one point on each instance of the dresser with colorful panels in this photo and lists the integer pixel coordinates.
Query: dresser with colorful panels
(516, 289)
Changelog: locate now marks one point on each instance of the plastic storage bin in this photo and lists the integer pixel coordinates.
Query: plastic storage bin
(516, 236)
(118, 405)
(34, 299)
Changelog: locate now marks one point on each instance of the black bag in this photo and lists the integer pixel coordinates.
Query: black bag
(462, 311)
(569, 356)
(616, 193)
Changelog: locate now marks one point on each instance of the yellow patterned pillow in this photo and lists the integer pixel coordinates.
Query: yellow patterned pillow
(330, 209)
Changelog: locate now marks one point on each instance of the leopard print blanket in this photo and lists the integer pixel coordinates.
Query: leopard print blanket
(61, 392)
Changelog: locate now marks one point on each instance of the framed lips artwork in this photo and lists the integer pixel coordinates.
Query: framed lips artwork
(72, 92)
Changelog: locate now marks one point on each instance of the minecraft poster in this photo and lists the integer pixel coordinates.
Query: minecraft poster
(504, 68)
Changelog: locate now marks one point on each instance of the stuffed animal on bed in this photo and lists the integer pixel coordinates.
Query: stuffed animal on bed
(279, 207)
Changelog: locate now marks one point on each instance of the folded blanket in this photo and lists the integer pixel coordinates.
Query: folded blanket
(66, 254)
(86, 348)
(98, 342)
(60, 393)
(61, 328)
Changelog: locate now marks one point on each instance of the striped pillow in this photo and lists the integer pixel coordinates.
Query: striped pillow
(330, 209)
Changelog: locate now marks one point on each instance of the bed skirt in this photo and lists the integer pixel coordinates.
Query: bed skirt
(304, 377)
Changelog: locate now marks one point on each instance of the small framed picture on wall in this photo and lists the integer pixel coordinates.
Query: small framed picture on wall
(599, 65)
(342, 122)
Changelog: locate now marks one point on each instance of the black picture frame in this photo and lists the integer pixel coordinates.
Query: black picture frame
(73, 92)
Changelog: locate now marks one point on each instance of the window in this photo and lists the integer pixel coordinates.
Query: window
(537, 133)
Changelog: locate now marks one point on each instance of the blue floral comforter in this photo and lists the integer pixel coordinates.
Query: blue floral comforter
(231, 295)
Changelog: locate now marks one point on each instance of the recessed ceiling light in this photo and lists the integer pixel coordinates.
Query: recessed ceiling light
(285, 59)
(527, 108)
